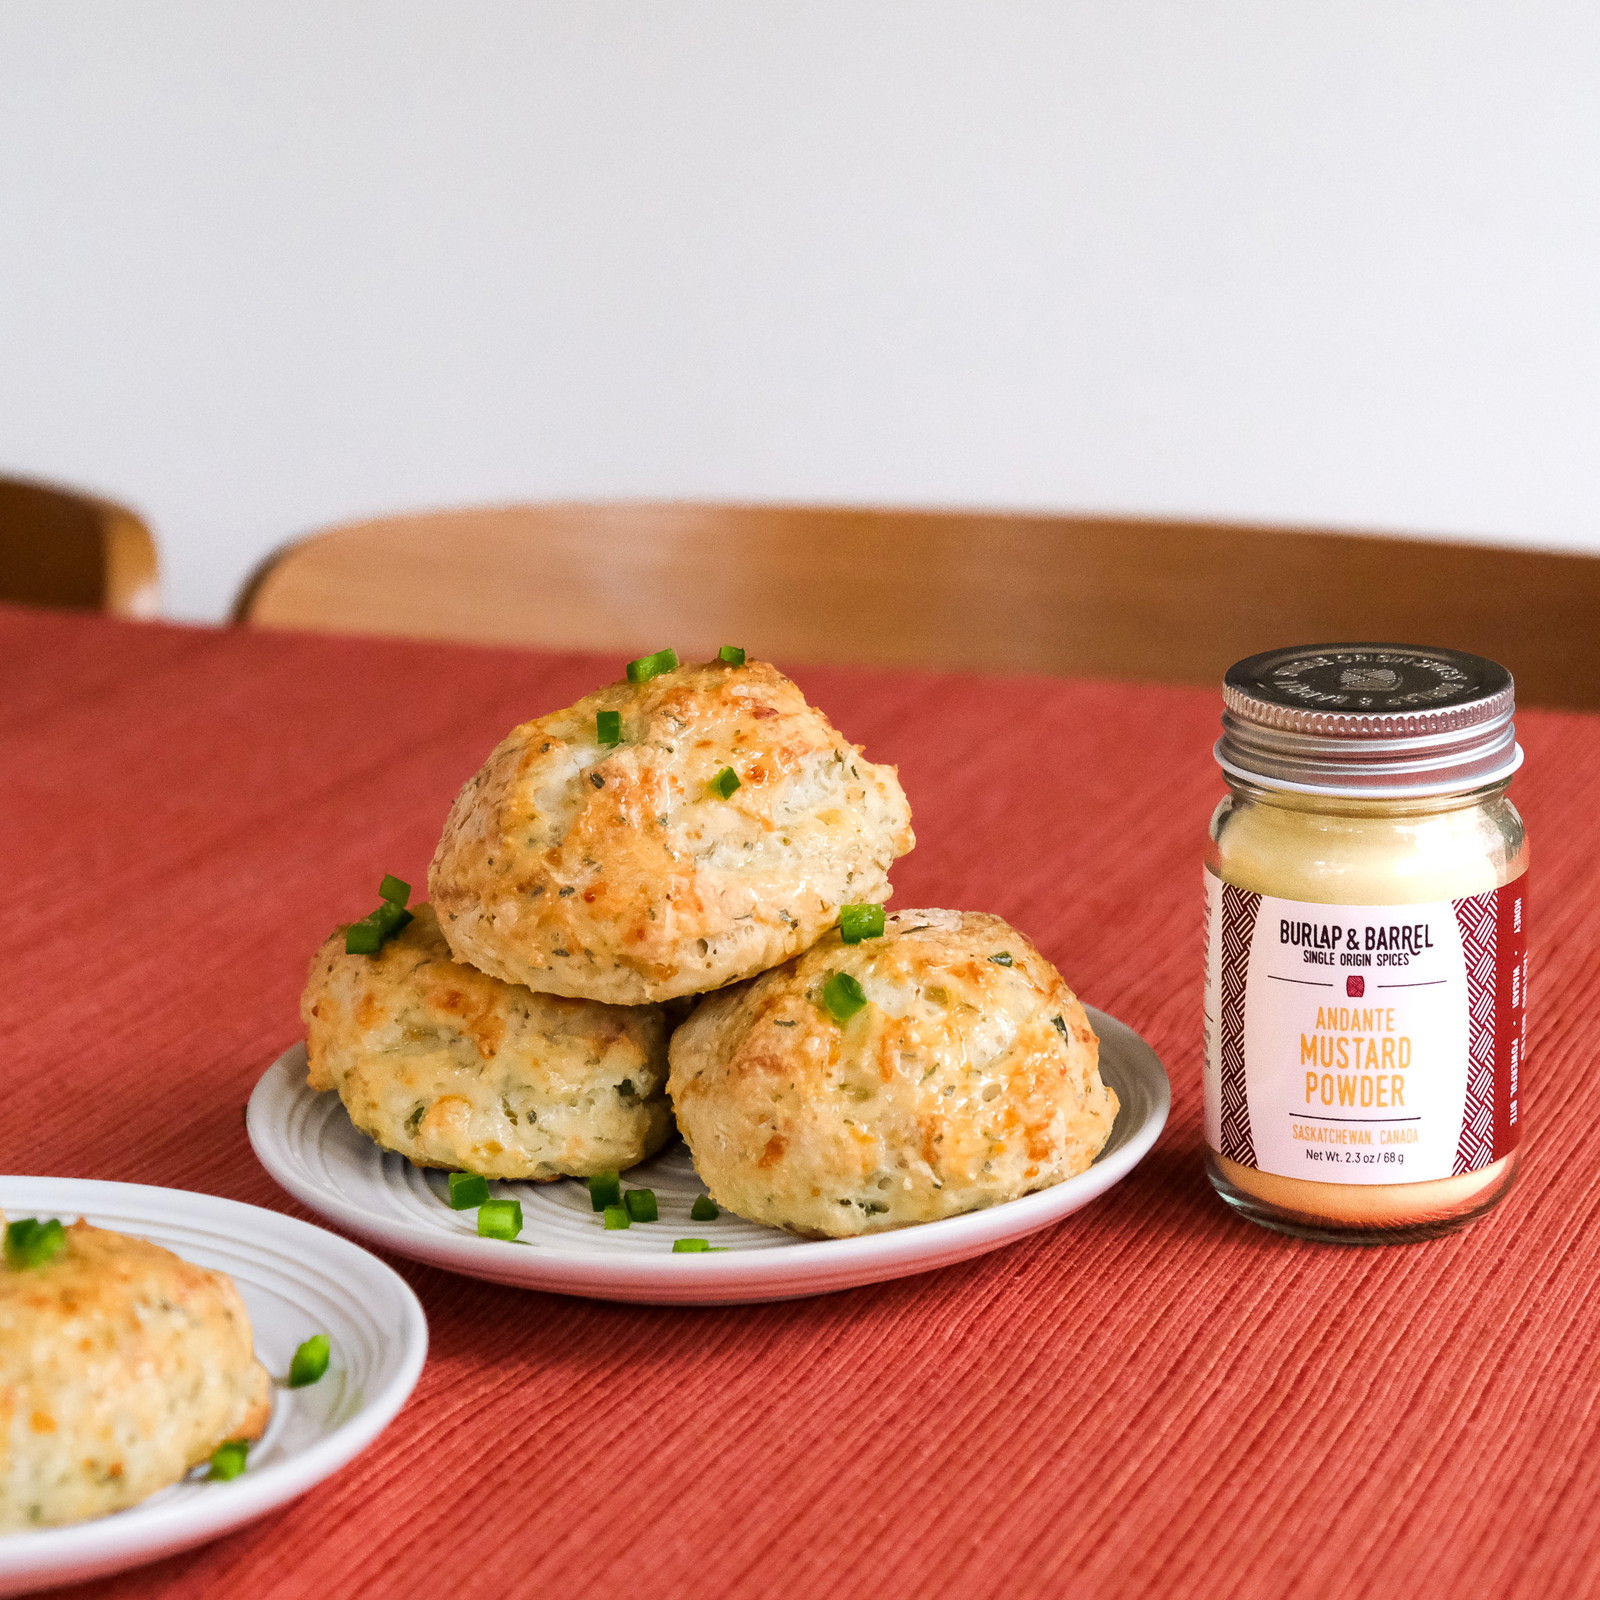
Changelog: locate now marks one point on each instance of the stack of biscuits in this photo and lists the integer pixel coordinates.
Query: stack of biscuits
(661, 908)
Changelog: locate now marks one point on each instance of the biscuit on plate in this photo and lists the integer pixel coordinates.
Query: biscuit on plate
(718, 837)
(939, 1068)
(121, 1367)
(453, 1068)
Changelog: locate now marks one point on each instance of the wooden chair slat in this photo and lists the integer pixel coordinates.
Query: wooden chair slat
(1118, 597)
(59, 547)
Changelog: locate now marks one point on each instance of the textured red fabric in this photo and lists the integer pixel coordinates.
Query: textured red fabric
(1149, 1399)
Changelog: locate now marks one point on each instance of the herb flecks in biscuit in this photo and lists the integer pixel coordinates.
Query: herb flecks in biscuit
(666, 835)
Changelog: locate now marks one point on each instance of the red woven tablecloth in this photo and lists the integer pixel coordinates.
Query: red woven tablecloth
(1149, 1399)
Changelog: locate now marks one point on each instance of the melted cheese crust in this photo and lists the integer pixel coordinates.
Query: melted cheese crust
(453, 1068)
(618, 874)
(121, 1367)
(963, 1082)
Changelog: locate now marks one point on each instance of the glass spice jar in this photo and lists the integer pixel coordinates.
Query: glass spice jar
(1366, 968)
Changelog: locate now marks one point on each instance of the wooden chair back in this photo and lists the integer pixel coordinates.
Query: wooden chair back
(1116, 597)
(62, 548)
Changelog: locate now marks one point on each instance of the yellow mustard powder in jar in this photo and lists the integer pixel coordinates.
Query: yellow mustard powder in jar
(1366, 965)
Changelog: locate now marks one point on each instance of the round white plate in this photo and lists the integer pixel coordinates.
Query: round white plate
(305, 1140)
(296, 1280)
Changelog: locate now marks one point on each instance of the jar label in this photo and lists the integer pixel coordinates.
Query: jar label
(1364, 1044)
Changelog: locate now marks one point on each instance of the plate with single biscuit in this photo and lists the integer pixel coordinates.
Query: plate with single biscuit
(669, 1249)
(187, 1364)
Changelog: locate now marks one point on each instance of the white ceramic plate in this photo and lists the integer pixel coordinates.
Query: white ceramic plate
(296, 1280)
(306, 1141)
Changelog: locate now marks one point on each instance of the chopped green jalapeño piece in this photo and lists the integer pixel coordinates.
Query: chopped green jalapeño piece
(310, 1362)
(1002, 958)
(1061, 1026)
(394, 890)
(860, 922)
(228, 1460)
(500, 1219)
(467, 1190)
(641, 1204)
(616, 1216)
(684, 1247)
(605, 1189)
(725, 782)
(608, 727)
(648, 667)
(705, 1209)
(31, 1243)
(732, 655)
(843, 996)
(368, 936)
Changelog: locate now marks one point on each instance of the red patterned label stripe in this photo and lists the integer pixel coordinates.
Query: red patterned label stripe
(1240, 908)
(1494, 945)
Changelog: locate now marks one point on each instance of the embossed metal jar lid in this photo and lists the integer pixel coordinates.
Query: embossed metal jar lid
(1367, 720)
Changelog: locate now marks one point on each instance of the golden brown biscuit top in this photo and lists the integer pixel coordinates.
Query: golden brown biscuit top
(940, 1067)
(414, 993)
(102, 1280)
(957, 991)
(626, 851)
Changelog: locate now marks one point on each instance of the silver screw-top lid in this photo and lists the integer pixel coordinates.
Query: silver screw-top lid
(1367, 720)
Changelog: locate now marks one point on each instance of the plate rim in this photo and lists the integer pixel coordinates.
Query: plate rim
(140, 1533)
(880, 1256)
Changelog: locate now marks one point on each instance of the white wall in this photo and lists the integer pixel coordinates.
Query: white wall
(266, 264)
